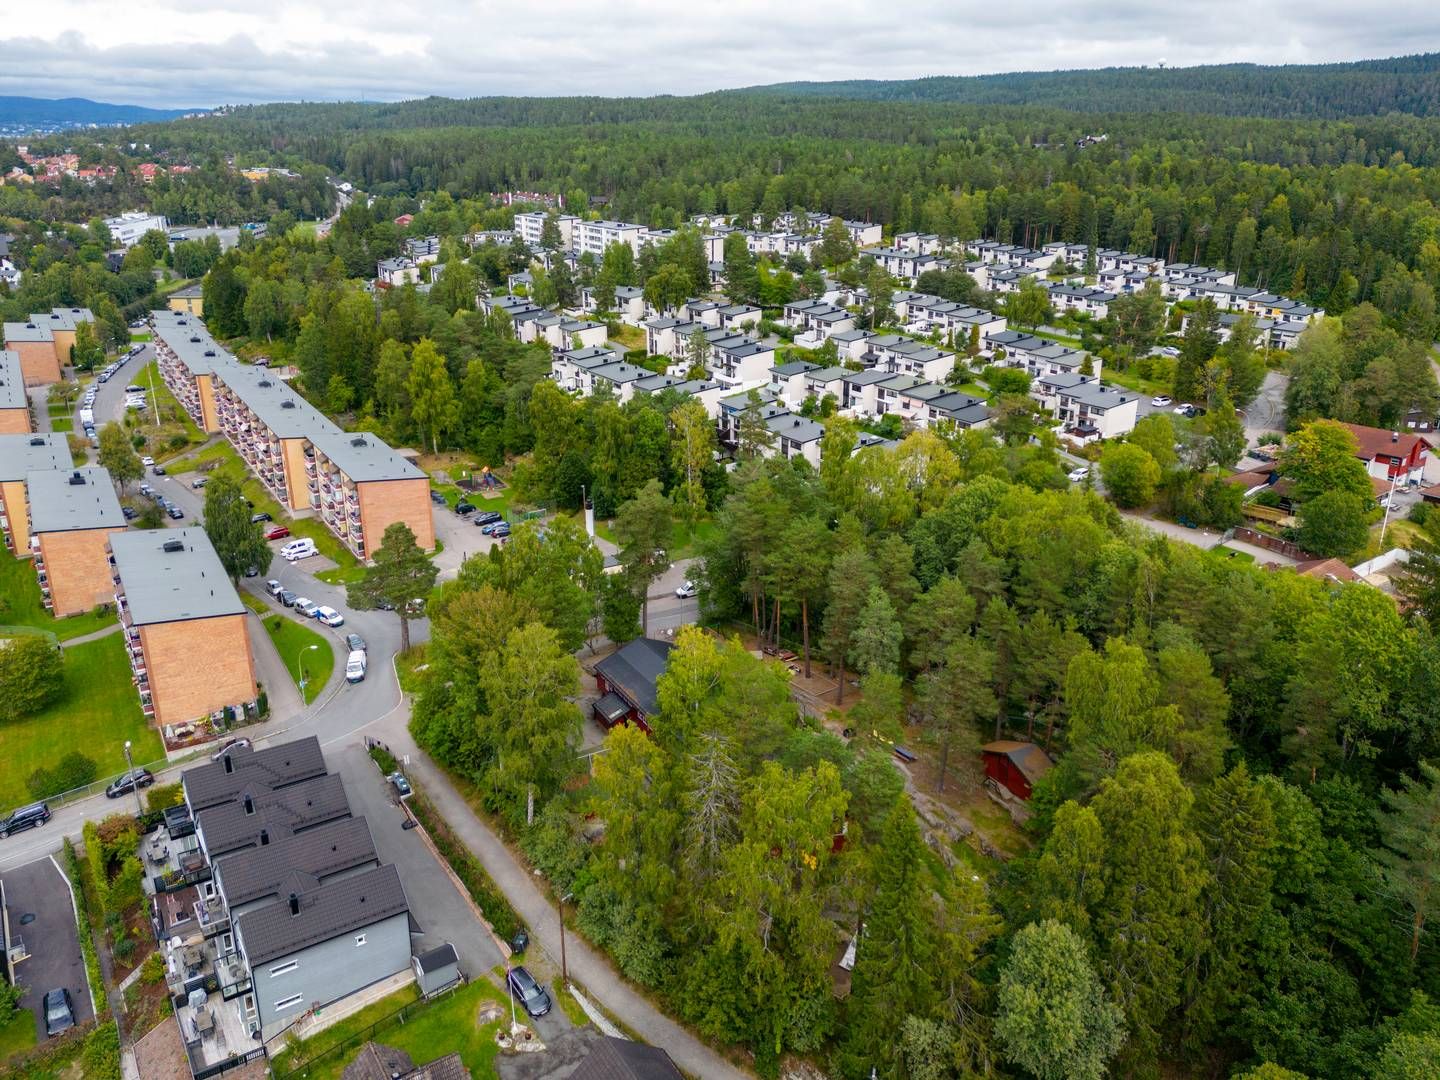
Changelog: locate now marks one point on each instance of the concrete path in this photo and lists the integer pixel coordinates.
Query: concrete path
(587, 967)
(280, 689)
(94, 635)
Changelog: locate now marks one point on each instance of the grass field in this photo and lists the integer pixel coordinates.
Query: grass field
(97, 711)
(683, 545)
(20, 603)
(173, 418)
(293, 640)
(18, 1034)
(446, 1025)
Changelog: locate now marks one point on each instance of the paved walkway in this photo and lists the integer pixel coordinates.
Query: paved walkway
(281, 692)
(587, 967)
(94, 635)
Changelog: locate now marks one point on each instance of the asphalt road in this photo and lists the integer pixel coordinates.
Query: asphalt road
(39, 892)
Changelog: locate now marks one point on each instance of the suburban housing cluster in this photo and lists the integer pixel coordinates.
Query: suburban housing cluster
(355, 483)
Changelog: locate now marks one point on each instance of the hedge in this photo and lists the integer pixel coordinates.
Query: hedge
(477, 882)
(87, 938)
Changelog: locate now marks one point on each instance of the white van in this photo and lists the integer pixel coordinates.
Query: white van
(302, 548)
(87, 416)
(355, 666)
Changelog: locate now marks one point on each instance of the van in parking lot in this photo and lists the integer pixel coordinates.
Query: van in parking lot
(302, 548)
(355, 667)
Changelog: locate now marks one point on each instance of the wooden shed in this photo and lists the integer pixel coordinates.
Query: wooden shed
(1016, 765)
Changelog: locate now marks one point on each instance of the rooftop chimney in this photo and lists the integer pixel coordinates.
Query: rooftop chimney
(1394, 436)
(294, 904)
(249, 805)
(229, 765)
(264, 837)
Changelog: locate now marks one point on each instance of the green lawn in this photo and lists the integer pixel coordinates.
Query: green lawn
(136, 335)
(216, 451)
(1132, 381)
(1232, 554)
(18, 1034)
(294, 639)
(164, 405)
(61, 423)
(683, 545)
(446, 1025)
(98, 710)
(20, 603)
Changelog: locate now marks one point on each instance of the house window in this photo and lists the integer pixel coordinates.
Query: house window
(228, 941)
(289, 1002)
(209, 890)
(359, 939)
(249, 1006)
(284, 969)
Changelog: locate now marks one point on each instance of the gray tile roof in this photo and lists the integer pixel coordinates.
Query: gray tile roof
(285, 812)
(66, 500)
(321, 852)
(255, 771)
(62, 318)
(795, 428)
(12, 381)
(172, 586)
(326, 912)
(19, 331)
(24, 454)
(633, 670)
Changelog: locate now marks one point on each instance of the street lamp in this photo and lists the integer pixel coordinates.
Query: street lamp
(300, 660)
(134, 780)
(560, 909)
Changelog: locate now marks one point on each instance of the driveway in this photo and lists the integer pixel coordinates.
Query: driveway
(1267, 411)
(39, 892)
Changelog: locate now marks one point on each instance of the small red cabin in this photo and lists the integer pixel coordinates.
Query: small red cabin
(1016, 765)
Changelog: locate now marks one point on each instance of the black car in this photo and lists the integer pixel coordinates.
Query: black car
(59, 1012)
(27, 817)
(255, 519)
(175, 512)
(288, 598)
(534, 997)
(127, 782)
(158, 470)
(355, 642)
(130, 513)
(463, 507)
(485, 517)
(437, 498)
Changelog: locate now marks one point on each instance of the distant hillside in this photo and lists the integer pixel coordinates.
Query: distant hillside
(1407, 84)
(77, 112)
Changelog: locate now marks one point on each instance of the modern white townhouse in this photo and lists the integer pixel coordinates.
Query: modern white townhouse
(818, 318)
(1081, 299)
(919, 243)
(904, 265)
(787, 382)
(906, 356)
(530, 226)
(1038, 356)
(397, 271)
(1086, 408)
(423, 250)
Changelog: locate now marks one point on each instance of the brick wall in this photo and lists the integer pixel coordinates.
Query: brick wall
(383, 502)
(205, 388)
(78, 566)
(14, 421)
(64, 340)
(297, 480)
(12, 494)
(37, 361)
(197, 666)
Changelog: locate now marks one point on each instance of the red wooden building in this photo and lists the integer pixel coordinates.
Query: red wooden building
(627, 681)
(1016, 765)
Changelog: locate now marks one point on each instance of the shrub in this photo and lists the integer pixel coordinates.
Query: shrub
(152, 973)
(100, 1059)
(1420, 513)
(1269, 497)
(32, 674)
(74, 770)
(163, 796)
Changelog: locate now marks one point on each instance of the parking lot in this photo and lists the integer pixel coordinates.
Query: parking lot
(42, 915)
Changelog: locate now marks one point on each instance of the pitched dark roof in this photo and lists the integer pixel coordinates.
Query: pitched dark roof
(634, 669)
(437, 958)
(282, 813)
(326, 912)
(255, 771)
(620, 1059)
(322, 852)
(1027, 757)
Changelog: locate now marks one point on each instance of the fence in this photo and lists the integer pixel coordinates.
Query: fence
(1272, 543)
(360, 1038)
(97, 787)
(222, 1067)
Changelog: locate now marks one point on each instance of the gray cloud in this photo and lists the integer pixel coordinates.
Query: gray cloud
(158, 52)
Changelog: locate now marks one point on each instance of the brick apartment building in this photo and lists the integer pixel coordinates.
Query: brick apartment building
(61, 322)
(36, 347)
(14, 404)
(352, 481)
(73, 514)
(184, 624)
(20, 455)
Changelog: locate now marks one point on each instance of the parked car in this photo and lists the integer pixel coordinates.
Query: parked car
(273, 587)
(252, 570)
(27, 817)
(687, 589)
(277, 532)
(1182, 410)
(175, 512)
(530, 994)
(130, 513)
(355, 642)
(355, 667)
(133, 389)
(302, 548)
(402, 786)
(329, 616)
(490, 526)
(501, 531)
(129, 781)
(306, 606)
(437, 498)
(1162, 402)
(199, 482)
(462, 508)
(147, 461)
(488, 517)
(146, 489)
(1077, 475)
(287, 598)
(59, 1012)
(228, 745)
(255, 519)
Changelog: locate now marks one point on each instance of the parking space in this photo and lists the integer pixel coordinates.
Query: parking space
(42, 915)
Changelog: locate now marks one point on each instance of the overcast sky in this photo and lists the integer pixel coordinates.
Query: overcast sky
(211, 52)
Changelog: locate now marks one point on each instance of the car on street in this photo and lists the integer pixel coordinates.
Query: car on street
(488, 517)
(277, 532)
(437, 498)
(175, 512)
(1163, 401)
(273, 587)
(532, 996)
(1078, 474)
(228, 745)
(287, 597)
(199, 482)
(1182, 409)
(402, 786)
(255, 519)
(147, 461)
(355, 642)
(355, 665)
(59, 1012)
(306, 606)
(687, 589)
(462, 508)
(158, 470)
(129, 781)
(329, 616)
(27, 817)
(1170, 350)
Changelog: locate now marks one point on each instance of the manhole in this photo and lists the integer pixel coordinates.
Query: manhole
(27, 918)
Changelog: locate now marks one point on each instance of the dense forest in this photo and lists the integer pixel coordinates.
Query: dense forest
(1402, 84)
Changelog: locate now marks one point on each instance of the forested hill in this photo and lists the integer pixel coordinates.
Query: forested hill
(1406, 84)
(77, 111)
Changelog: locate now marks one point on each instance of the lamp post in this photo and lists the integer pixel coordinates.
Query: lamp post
(300, 661)
(560, 910)
(1389, 504)
(134, 780)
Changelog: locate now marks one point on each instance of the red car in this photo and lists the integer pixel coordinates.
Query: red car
(276, 532)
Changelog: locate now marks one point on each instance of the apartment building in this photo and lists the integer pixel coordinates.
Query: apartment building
(34, 344)
(62, 322)
(1086, 408)
(14, 402)
(20, 455)
(73, 514)
(530, 227)
(423, 250)
(127, 229)
(596, 236)
(354, 482)
(187, 301)
(397, 271)
(184, 625)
